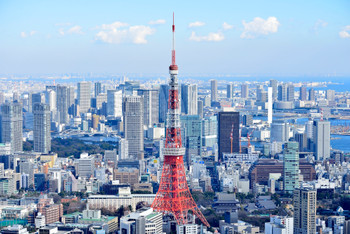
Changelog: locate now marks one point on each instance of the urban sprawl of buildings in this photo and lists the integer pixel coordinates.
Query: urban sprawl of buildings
(88, 157)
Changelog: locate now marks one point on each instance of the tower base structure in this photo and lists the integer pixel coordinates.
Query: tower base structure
(174, 196)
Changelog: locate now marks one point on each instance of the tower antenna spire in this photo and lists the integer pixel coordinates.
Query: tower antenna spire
(173, 49)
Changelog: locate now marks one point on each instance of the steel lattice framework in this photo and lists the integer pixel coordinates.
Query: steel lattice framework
(173, 196)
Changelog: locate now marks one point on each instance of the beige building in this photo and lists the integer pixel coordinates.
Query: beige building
(304, 201)
(126, 175)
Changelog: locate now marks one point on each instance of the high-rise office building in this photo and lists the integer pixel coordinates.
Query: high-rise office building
(150, 106)
(214, 90)
(261, 95)
(133, 125)
(200, 108)
(38, 98)
(322, 139)
(330, 95)
(312, 95)
(244, 91)
(2, 98)
(230, 90)
(279, 131)
(62, 104)
(283, 92)
(303, 93)
(290, 93)
(189, 97)
(42, 128)
(84, 96)
(269, 104)
(110, 156)
(210, 131)
(114, 103)
(286, 92)
(304, 202)
(86, 165)
(51, 100)
(301, 138)
(228, 122)
(290, 166)
(163, 102)
(12, 125)
(98, 88)
(191, 133)
(101, 99)
(123, 148)
(274, 85)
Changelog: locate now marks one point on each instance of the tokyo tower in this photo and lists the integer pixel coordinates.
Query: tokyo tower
(173, 196)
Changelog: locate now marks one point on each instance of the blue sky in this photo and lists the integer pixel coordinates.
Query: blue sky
(257, 38)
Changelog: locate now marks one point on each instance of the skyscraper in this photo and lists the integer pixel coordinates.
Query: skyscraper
(283, 92)
(38, 98)
(228, 122)
(274, 85)
(321, 139)
(230, 90)
(200, 108)
(84, 96)
(214, 90)
(261, 95)
(62, 104)
(163, 102)
(304, 202)
(133, 125)
(290, 93)
(303, 93)
(86, 165)
(290, 166)
(210, 131)
(98, 88)
(279, 131)
(191, 126)
(12, 125)
(244, 91)
(114, 103)
(150, 106)
(312, 95)
(42, 128)
(189, 97)
(269, 104)
(330, 95)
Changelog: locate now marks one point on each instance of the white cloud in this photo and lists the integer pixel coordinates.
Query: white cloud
(75, 30)
(318, 25)
(61, 31)
(23, 34)
(159, 21)
(31, 33)
(259, 26)
(227, 26)
(119, 32)
(196, 24)
(345, 33)
(219, 36)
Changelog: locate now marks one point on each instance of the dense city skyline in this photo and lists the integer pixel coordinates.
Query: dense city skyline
(252, 137)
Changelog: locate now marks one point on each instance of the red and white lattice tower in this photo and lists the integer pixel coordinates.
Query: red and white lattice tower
(173, 196)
